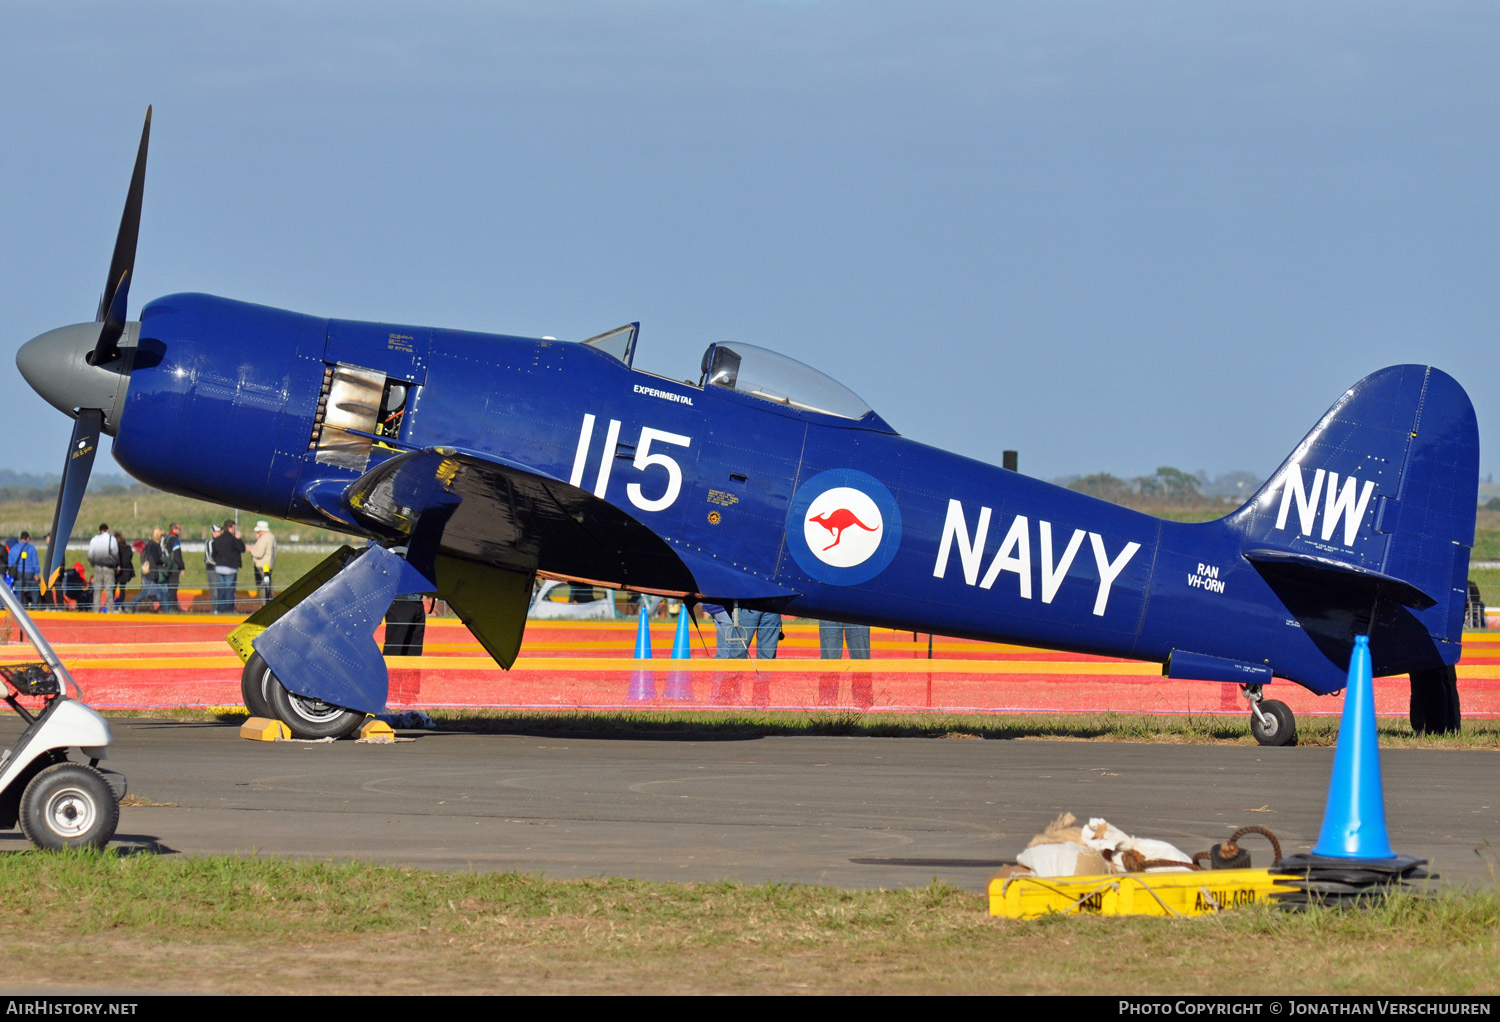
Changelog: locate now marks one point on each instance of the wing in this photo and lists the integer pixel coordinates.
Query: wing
(485, 509)
(493, 511)
(482, 527)
(478, 529)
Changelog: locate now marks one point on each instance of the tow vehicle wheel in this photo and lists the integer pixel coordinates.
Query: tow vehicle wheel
(69, 805)
(253, 686)
(308, 717)
(1279, 727)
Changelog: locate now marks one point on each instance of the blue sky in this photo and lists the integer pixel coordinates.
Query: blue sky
(1112, 236)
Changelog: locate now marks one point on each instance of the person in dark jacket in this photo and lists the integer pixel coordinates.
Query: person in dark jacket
(126, 569)
(153, 574)
(228, 550)
(171, 548)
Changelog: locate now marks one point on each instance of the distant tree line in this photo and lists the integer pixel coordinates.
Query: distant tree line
(48, 494)
(1168, 487)
(32, 488)
(1172, 487)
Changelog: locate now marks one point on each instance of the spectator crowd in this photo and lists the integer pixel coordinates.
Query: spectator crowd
(102, 581)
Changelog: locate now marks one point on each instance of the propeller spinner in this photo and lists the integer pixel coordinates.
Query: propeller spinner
(83, 370)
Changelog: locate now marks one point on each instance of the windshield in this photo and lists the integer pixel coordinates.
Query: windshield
(617, 343)
(772, 377)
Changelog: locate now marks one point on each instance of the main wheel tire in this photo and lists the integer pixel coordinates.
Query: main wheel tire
(1280, 727)
(69, 805)
(1434, 701)
(253, 685)
(308, 717)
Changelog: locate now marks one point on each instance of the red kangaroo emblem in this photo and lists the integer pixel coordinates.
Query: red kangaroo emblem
(837, 521)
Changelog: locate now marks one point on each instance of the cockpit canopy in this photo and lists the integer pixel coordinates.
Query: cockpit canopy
(758, 372)
(770, 376)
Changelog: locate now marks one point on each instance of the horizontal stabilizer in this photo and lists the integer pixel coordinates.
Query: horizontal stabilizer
(1308, 569)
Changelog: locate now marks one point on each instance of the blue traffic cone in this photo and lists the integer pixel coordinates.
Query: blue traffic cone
(642, 683)
(1354, 821)
(681, 650)
(643, 637)
(680, 683)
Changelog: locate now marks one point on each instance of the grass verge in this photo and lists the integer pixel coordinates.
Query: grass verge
(709, 725)
(154, 924)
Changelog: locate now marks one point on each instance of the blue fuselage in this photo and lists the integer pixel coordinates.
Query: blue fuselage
(224, 402)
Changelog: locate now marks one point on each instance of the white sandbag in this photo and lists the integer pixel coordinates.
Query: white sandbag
(1056, 860)
(1149, 848)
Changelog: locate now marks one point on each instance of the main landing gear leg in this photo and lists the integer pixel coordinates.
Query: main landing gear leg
(1271, 721)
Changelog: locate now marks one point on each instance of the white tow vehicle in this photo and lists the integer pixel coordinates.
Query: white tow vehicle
(58, 803)
(571, 601)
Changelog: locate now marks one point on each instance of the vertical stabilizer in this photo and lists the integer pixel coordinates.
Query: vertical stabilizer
(1372, 516)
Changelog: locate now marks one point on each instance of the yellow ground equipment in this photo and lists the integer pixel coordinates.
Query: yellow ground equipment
(1196, 893)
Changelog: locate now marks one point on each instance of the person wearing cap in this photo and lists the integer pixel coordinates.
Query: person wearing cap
(263, 557)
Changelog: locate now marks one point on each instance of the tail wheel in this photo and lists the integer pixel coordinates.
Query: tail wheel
(69, 805)
(1279, 726)
(305, 716)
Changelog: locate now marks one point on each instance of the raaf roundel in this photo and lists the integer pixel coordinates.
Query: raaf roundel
(836, 521)
(490, 459)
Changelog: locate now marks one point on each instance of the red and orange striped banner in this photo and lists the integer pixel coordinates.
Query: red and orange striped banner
(157, 661)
